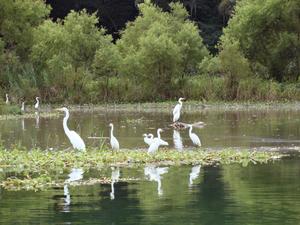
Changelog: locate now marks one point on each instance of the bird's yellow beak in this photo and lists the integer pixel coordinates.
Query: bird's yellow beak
(59, 109)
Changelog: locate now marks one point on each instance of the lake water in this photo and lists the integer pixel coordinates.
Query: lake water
(232, 194)
(250, 129)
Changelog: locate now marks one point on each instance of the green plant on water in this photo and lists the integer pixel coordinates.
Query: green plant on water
(7, 109)
(38, 169)
(135, 121)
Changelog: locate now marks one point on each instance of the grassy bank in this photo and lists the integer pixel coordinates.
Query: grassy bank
(188, 107)
(203, 88)
(38, 169)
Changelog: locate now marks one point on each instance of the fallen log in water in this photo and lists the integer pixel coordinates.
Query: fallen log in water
(182, 126)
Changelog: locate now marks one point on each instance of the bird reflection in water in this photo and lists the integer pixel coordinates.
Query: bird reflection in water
(23, 124)
(177, 140)
(115, 175)
(37, 120)
(154, 174)
(75, 175)
(194, 174)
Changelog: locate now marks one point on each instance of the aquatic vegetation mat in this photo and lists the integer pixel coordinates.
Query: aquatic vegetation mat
(30, 116)
(39, 169)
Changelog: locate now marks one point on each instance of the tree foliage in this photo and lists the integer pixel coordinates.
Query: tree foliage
(159, 47)
(268, 34)
(65, 50)
(158, 56)
(17, 21)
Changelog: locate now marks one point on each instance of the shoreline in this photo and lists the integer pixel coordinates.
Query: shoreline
(164, 107)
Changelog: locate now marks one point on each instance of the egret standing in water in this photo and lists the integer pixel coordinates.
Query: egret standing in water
(157, 142)
(37, 104)
(148, 138)
(74, 138)
(195, 139)
(113, 140)
(7, 99)
(177, 109)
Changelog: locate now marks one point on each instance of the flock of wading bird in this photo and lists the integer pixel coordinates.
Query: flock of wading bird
(153, 142)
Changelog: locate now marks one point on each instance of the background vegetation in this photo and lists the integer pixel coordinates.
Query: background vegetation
(160, 55)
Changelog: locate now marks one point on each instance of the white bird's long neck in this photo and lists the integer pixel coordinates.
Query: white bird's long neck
(66, 128)
(7, 98)
(158, 134)
(180, 102)
(190, 131)
(37, 101)
(112, 131)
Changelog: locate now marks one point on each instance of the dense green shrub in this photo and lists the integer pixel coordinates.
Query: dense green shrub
(267, 33)
(158, 47)
(291, 91)
(205, 88)
(17, 21)
(64, 52)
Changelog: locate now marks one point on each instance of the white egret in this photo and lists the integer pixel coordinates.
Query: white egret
(195, 139)
(194, 174)
(37, 104)
(7, 99)
(74, 138)
(148, 138)
(115, 175)
(113, 140)
(157, 142)
(162, 142)
(23, 107)
(177, 109)
(177, 140)
(154, 174)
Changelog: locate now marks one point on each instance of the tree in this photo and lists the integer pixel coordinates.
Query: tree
(268, 34)
(160, 47)
(105, 64)
(234, 66)
(64, 51)
(17, 21)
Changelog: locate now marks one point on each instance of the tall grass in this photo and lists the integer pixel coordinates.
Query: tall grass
(212, 88)
(207, 88)
(26, 84)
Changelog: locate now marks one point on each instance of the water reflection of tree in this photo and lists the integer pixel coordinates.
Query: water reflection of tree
(264, 194)
(124, 208)
(175, 205)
